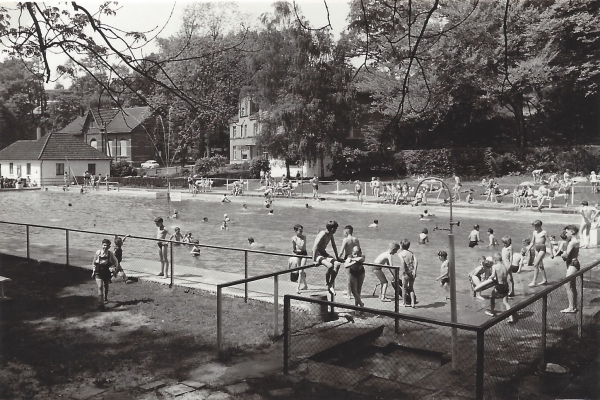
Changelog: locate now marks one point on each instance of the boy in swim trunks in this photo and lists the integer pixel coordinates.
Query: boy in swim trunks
(408, 268)
(474, 238)
(320, 255)
(348, 244)
(500, 275)
(299, 248)
(507, 260)
(161, 234)
(572, 263)
(358, 191)
(384, 258)
(539, 242)
(588, 214)
(444, 278)
(480, 274)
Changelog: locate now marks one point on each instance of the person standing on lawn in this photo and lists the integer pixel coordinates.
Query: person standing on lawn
(104, 259)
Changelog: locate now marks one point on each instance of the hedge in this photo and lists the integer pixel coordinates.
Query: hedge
(478, 162)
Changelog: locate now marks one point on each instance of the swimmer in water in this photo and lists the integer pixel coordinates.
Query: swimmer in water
(244, 206)
(308, 206)
(205, 219)
(375, 224)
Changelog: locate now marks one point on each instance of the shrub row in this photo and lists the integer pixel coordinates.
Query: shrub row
(480, 162)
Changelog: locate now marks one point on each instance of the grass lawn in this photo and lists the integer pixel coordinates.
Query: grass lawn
(54, 340)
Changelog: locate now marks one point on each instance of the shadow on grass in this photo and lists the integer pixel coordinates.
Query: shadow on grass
(52, 329)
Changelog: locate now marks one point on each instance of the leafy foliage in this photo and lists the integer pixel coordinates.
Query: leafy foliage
(259, 165)
(122, 168)
(207, 164)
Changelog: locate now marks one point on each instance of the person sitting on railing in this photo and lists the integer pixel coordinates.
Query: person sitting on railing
(320, 255)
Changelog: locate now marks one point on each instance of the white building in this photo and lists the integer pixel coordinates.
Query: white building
(243, 130)
(46, 159)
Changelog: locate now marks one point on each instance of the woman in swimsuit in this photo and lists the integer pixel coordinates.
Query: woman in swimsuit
(570, 257)
(103, 260)
(540, 239)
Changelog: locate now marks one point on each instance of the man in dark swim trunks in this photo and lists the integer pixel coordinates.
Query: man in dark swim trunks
(320, 255)
(501, 289)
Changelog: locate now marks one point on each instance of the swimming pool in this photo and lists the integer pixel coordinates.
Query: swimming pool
(133, 212)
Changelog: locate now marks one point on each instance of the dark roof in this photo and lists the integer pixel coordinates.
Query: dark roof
(75, 127)
(115, 120)
(54, 146)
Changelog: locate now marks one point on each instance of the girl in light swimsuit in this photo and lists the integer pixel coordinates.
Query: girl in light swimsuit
(539, 240)
(570, 257)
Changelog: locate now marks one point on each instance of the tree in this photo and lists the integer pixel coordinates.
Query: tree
(301, 84)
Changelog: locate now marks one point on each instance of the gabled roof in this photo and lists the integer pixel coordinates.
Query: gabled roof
(75, 127)
(115, 120)
(54, 146)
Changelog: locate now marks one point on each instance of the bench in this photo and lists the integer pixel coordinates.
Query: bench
(109, 184)
(2, 280)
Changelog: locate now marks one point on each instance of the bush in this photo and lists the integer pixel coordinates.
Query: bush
(259, 165)
(350, 163)
(122, 168)
(207, 164)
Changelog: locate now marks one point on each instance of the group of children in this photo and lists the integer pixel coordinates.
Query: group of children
(500, 267)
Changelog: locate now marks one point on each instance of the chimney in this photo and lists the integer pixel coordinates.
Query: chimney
(38, 132)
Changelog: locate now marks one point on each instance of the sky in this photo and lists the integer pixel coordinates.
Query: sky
(143, 16)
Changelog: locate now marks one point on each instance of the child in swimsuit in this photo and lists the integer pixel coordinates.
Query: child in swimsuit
(354, 263)
(444, 277)
(500, 275)
(104, 259)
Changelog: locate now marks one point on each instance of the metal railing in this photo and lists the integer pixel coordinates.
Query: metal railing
(359, 348)
(264, 294)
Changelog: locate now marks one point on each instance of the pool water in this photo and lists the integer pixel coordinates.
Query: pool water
(133, 212)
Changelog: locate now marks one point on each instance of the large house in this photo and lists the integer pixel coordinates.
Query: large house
(47, 159)
(127, 134)
(245, 127)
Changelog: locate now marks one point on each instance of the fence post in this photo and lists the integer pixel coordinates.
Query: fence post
(286, 333)
(245, 276)
(227, 185)
(580, 316)
(171, 256)
(479, 369)
(544, 327)
(396, 299)
(67, 244)
(276, 305)
(219, 320)
(572, 195)
(337, 187)
(27, 231)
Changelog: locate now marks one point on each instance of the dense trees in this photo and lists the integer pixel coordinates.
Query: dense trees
(407, 74)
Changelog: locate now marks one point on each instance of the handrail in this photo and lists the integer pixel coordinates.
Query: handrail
(525, 303)
(384, 313)
(269, 275)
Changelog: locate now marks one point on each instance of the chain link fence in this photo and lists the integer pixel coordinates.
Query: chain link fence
(361, 350)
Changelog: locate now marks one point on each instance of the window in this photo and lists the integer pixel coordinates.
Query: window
(234, 152)
(92, 169)
(60, 169)
(19, 171)
(255, 129)
(94, 143)
(245, 130)
(123, 147)
(233, 131)
(245, 152)
(28, 168)
(10, 168)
